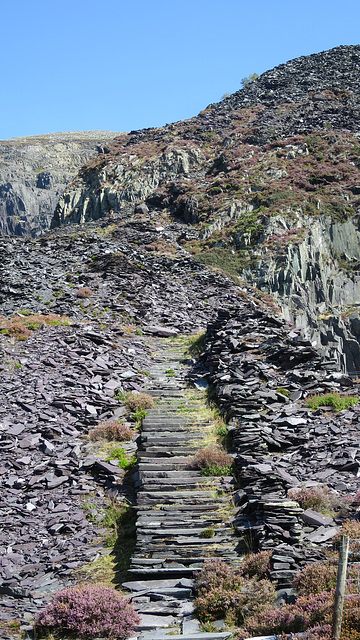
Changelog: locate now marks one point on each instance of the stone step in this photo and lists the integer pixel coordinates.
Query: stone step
(156, 585)
(158, 461)
(169, 392)
(161, 473)
(176, 522)
(173, 408)
(174, 509)
(220, 635)
(169, 437)
(158, 484)
(159, 420)
(180, 562)
(185, 547)
(164, 466)
(184, 497)
(179, 531)
(196, 559)
(175, 450)
(168, 571)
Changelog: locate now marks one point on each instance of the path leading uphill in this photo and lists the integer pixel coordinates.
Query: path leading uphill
(177, 507)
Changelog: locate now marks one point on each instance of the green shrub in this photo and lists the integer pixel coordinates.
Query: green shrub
(334, 400)
(217, 470)
(118, 453)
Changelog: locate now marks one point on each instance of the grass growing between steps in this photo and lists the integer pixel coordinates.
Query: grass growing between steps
(111, 568)
(197, 408)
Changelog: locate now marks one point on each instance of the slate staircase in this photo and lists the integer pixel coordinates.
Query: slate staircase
(176, 509)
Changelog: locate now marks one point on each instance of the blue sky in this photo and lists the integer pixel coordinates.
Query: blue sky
(127, 64)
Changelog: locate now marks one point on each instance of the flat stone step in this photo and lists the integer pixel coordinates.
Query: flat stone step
(184, 497)
(164, 466)
(159, 484)
(167, 391)
(169, 437)
(162, 571)
(179, 531)
(196, 508)
(175, 450)
(153, 585)
(148, 621)
(175, 474)
(221, 635)
(190, 523)
(179, 562)
(159, 420)
(182, 546)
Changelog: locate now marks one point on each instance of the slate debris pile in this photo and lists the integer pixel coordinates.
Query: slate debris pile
(56, 386)
(262, 371)
(317, 92)
(61, 382)
(131, 282)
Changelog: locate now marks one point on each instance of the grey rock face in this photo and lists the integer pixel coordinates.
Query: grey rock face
(310, 287)
(34, 172)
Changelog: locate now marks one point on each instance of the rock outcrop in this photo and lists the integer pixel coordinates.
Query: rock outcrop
(34, 172)
(267, 185)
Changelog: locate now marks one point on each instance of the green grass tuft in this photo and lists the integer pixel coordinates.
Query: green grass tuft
(334, 400)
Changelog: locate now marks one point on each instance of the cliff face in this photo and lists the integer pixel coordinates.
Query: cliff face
(34, 172)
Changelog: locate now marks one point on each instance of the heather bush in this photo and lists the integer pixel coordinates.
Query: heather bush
(223, 592)
(212, 461)
(350, 627)
(89, 611)
(256, 565)
(84, 292)
(111, 430)
(315, 578)
(319, 498)
(308, 611)
(136, 401)
(349, 528)
(318, 632)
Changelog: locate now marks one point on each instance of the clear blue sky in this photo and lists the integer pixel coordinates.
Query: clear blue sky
(127, 64)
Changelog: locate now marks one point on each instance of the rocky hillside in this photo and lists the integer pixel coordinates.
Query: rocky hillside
(34, 172)
(266, 184)
(91, 312)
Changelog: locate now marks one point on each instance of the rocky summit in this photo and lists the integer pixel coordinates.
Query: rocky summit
(213, 262)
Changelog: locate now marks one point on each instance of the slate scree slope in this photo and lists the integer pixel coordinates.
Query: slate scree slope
(265, 187)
